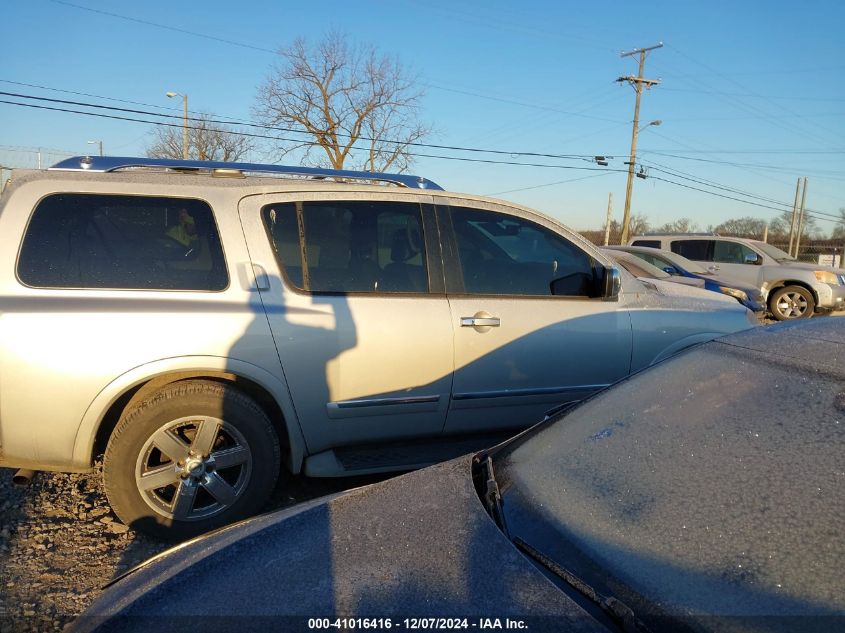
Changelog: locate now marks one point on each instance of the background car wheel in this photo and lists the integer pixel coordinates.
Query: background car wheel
(792, 302)
(194, 456)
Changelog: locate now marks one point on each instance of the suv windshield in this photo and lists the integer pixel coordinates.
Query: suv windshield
(773, 252)
(708, 484)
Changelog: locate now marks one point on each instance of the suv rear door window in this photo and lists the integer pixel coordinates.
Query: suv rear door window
(341, 247)
(696, 250)
(122, 242)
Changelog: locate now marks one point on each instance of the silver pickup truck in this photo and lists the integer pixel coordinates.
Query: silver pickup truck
(208, 326)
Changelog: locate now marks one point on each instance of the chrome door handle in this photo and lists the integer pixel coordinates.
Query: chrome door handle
(480, 322)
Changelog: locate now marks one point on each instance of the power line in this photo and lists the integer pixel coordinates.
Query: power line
(710, 183)
(520, 103)
(739, 94)
(794, 129)
(604, 171)
(551, 184)
(275, 138)
(166, 27)
(719, 195)
(735, 164)
(88, 94)
(296, 131)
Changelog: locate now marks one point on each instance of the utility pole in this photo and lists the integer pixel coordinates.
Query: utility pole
(609, 217)
(637, 83)
(794, 216)
(801, 219)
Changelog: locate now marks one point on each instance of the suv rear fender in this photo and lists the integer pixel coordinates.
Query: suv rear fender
(133, 385)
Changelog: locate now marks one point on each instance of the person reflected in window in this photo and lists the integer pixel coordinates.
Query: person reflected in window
(186, 231)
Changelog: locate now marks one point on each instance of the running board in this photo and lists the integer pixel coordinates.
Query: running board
(397, 456)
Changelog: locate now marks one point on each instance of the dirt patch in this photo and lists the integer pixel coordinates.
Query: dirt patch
(60, 543)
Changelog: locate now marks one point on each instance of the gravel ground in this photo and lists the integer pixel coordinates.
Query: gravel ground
(60, 543)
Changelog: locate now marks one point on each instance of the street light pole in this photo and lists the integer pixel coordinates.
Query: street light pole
(637, 82)
(100, 143)
(185, 145)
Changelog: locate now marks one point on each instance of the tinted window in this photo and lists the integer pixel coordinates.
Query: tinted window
(696, 250)
(648, 243)
(137, 242)
(730, 252)
(505, 255)
(349, 246)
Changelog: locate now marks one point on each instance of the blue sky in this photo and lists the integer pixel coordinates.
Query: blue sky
(752, 93)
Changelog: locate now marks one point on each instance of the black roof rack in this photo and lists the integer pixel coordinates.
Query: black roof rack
(117, 163)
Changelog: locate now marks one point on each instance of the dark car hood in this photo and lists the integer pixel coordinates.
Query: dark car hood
(419, 545)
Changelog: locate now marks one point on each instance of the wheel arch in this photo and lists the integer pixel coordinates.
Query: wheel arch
(269, 392)
(777, 285)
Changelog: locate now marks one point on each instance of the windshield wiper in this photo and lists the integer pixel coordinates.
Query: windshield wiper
(492, 496)
(621, 614)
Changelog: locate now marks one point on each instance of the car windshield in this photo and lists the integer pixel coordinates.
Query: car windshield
(711, 483)
(682, 262)
(636, 266)
(773, 252)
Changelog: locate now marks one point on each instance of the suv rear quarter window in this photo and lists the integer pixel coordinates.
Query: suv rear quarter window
(122, 242)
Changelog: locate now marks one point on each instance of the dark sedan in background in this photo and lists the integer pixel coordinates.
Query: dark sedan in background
(677, 265)
(702, 494)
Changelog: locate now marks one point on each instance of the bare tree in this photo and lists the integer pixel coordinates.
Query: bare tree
(681, 225)
(742, 227)
(639, 225)
(356, 107)
(206, 140)
(780, 226)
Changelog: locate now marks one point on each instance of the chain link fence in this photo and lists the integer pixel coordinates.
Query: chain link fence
(13, 157)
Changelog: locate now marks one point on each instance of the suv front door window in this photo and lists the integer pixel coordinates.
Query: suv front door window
(519, 350)
(726, 252)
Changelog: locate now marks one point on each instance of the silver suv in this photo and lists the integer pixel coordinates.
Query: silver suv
(793, 289)
(204, 325)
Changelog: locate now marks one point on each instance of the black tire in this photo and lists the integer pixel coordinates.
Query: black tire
(213, 449)
(792, 302)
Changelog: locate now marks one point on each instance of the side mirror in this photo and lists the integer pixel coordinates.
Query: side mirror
(753, 258)
(670, 270)
(611, 284)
